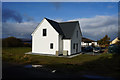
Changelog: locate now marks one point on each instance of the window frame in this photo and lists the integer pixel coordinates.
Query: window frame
(44, 33)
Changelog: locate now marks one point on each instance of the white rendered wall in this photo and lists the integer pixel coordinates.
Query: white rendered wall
(40, 43)
(83, 44)
(60, 44)
(95, 43)
(76, 39)
(88, 44)
(67, 45)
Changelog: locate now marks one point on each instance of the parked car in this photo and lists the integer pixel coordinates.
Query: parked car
(97, 50)
(113, 48)
(103, 49)
(88, 49)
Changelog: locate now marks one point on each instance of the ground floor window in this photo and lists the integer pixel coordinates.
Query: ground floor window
(74, 46)
(51, 45)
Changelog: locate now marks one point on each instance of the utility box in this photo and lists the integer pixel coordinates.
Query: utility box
(57, 53)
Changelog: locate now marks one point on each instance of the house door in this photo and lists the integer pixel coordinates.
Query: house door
(76, 47)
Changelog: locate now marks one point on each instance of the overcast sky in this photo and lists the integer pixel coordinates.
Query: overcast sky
(96, 18)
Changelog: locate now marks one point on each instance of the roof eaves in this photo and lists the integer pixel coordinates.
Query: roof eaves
(37, 27)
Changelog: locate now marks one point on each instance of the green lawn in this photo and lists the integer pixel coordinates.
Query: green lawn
(105, 64)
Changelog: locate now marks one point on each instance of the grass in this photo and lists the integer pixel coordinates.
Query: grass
(105, 64)
(17, 55)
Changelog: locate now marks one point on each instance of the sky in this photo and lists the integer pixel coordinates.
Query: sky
(60, 0)
(96, 19)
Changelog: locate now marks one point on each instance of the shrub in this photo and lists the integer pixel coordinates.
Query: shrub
(11, 42)
(27, 45)
(114, 49)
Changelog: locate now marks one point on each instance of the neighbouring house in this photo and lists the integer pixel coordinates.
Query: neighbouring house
(88, 42)
(114, 41)
(51, 37)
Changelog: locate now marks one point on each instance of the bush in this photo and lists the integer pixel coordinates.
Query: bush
(27, 45)
(12, 42)
(114, 49)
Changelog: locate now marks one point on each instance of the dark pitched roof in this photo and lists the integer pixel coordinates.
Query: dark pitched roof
(64, 28)
(68, 28)
(55, 26)
(86, 40)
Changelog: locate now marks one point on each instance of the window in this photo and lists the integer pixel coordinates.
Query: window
(44, 32)
(51, 45)
(74, 46)
(77, 34)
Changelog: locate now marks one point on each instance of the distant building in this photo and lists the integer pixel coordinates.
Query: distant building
(114, 41)
(88, 42)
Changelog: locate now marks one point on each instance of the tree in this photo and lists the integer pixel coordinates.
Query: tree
(11, 42)
(104, 41)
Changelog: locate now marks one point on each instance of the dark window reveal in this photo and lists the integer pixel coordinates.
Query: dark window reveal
(77, 34)
(74, 46)
(51, 45)
(44, 32)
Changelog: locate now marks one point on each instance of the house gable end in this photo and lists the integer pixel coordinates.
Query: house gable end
(74, 31)
(39, 25)
(80, 29)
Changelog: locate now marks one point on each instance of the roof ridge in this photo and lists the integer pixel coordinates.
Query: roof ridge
(64, 28)
(68, 21)
(60, 22)
(50, 20)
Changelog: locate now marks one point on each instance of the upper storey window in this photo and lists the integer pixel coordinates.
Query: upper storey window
(44, 32)
(77, 34)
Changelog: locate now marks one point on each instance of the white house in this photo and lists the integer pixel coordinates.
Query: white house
(88, 42)
(51, 37)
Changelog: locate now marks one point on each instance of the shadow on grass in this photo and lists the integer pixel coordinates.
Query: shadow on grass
(107, 65)
(103, 65)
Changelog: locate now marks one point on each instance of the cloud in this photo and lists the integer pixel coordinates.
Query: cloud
(21, 30)
(28, 18)
(98, 26)
(8, 14)
(94, 28)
